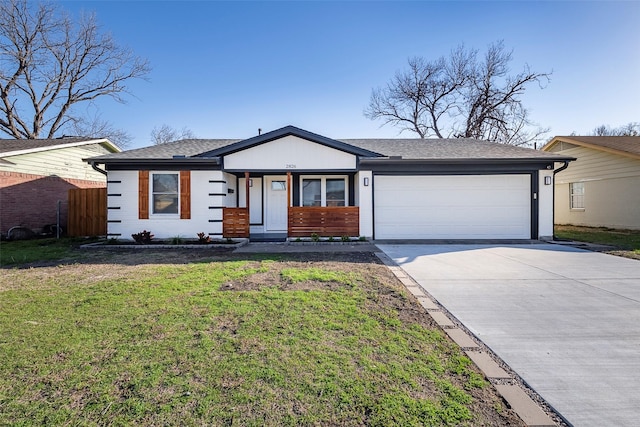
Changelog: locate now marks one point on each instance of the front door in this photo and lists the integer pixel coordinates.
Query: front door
(276, 203)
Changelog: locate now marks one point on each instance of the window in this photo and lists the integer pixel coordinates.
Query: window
(278, 186)
(335, 192)
(576, 195)
(311, 192)
(165, 193)
(324, 192)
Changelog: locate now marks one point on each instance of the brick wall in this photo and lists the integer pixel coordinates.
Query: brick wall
(31, 200)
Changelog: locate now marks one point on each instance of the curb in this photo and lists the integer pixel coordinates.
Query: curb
(508, 385)
(102, 245)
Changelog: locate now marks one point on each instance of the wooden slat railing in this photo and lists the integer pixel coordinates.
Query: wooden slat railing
(87, 212)
(327, 221)
(235, 222)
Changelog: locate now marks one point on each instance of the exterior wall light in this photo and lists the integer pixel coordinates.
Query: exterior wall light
(547, 180)
(250, 182)
(366, 181)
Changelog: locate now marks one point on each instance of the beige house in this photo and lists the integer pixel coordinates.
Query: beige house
(602, 187)
(36, 174)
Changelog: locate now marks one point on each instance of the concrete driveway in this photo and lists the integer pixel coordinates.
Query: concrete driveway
(566, 320)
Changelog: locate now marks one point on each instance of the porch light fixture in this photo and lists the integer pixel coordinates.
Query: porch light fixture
(250, 182)
(547, 180)
(366, 181)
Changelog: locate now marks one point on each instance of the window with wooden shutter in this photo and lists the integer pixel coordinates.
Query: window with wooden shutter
(143, 194)
(185, 194)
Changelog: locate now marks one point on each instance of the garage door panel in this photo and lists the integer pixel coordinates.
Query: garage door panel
(450, 207)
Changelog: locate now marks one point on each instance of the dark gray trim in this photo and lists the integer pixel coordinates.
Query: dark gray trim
(295, 177)
(113, 207)
(114, 195)
(215, 220)
(218, 194)
(114, 234)
(289, 131)
(114, 182)
(188, 163)
(114, 220)
(214, 234)
(351, 186)
(535, 204)
(216, 207)
(259, 172)
(217, 181)
(467, 167)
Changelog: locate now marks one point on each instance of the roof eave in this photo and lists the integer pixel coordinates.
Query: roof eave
(570, 140)
(474, 160)
(111, 146)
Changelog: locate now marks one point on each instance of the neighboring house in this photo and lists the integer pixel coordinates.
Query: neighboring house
(602, 187)
(291, 182)
(36, 173)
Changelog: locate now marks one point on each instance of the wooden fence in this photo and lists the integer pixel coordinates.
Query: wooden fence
(235, 222)
(87, 212)
(327, 221)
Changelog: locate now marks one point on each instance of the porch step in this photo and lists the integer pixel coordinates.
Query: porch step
(268, 237)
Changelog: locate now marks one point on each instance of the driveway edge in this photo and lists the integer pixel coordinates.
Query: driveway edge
(532, 409)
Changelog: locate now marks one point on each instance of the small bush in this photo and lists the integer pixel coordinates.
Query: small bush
(177, 240)
(315, 237)
(203, 239)
(142, 238)
(345, 238)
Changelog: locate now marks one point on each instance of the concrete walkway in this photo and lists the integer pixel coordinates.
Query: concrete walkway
(566, 320)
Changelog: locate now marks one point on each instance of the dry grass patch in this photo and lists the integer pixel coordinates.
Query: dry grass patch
(303, 339)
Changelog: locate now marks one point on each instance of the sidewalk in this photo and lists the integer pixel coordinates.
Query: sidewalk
(294, 247)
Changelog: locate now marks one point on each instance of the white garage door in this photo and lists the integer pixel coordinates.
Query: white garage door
(452, 207)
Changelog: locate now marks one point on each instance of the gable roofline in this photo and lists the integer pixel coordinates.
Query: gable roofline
(289, 131)
(56, 144)
(600, 143)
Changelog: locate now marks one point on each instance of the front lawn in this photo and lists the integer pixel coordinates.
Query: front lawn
(625, 242)
(228, 341)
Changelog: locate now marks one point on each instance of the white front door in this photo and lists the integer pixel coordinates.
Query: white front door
(276, 203)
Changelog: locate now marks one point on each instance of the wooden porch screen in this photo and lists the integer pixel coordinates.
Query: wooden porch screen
(324, 221)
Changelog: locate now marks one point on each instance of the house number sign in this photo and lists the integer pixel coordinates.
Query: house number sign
(290, 166)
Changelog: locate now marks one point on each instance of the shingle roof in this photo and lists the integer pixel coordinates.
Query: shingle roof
(185, 147)
(8, 146)
(622, 144)
(406, 148)
(462, 148)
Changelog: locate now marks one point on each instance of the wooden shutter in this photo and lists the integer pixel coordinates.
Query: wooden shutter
(185, 194)
(143, 194)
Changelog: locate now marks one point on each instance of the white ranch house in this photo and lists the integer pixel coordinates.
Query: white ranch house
(292, 183)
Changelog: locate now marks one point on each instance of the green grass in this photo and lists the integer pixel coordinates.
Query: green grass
(628, 240)
(26, 251)
(168, 345)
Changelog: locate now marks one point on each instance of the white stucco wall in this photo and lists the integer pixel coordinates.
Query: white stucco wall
(290, 153)
(364, 199)
(207, 199)
(545, 206)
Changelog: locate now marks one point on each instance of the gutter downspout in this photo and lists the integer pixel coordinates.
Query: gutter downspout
(97, 169)
(553, 206)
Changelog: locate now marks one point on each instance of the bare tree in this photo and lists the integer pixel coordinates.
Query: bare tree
(460, 96)
(49, 64)
(96, 127)
(165, 133)
(630, 129)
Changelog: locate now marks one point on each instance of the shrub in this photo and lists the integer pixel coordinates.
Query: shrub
(142, 238)
(345, 238)
(315, 237)
(203, 239)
